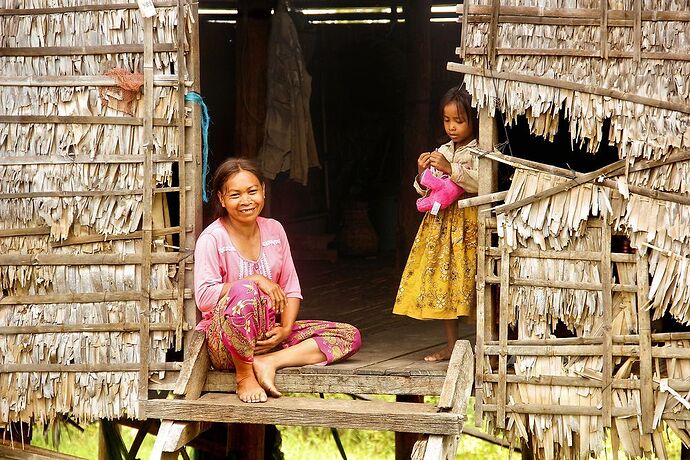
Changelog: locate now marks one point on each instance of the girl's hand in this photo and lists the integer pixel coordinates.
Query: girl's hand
(438, 161)
(423, 162)
(272, 290)
(274, 337)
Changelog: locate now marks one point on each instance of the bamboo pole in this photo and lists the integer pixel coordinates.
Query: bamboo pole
(91, 297)
(80, 159)
(637, 30)
(562, 255)
(193, 142)
(80, 80)
(85, 259)
(97, 367)
(581, 13)
(182, 168)
(84, 120)
(562, 284)
(463, 31)
(493, 32)
(483, 199)
(504, 301)
(74, 240)
(557, 83)
(80, 8)
(590, 53)
(642, 191)
(82, 327)
(83, 50)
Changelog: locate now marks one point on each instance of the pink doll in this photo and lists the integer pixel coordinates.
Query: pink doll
(442, 192)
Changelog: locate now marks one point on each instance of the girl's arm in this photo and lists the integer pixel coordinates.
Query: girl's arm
(465, 174)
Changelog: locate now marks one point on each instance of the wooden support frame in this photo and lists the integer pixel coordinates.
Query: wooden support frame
(488, 180)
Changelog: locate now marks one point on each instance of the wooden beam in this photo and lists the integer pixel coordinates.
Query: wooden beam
(368, 415)
(574, 86)
(17, 451)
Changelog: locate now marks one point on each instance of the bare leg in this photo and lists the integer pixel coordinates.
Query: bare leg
(450, 326)
(265, 366)
(248, 388)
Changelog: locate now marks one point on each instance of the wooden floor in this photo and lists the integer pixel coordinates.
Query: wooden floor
(362, 292)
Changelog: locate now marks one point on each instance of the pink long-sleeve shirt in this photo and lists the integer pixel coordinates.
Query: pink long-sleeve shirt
(216, 262)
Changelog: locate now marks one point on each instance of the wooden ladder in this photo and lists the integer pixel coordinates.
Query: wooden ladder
(192, 413)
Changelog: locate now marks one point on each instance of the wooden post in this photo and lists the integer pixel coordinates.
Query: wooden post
(246, 441)
(417, 109)
(606, 295)
(488, 182)
(404, 442)
(645, 330)
(253, 30)
(147, 220)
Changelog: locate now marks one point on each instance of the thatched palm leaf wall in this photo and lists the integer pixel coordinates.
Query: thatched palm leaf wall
(590, 61)
(93, 288)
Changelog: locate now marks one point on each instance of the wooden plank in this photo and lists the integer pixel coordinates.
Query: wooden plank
(563, 284)
(645, 330)
(373, 415)
(195, 369)
(348, 383)
(464, 32)
(17, 451)
(607, 302)
(127, 236)
(456, 377)
(493, 32)
(559, 83)
(24, 158)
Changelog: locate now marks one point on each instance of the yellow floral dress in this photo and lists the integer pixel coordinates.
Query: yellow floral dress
(439, 277)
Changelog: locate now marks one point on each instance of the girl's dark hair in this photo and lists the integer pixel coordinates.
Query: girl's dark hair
(225, 171)
(459, 96)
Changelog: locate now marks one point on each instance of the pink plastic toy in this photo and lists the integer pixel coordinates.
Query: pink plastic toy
(442, 192)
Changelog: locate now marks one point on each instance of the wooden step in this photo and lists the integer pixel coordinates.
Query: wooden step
(304, 411)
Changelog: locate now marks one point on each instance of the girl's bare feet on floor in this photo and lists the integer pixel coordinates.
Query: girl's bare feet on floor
(250, 391)
(442, 355)
(265, 374)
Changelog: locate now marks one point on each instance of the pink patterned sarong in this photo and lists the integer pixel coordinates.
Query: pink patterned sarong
(245, 314)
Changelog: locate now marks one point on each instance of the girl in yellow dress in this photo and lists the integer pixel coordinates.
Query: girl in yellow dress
(439, 277)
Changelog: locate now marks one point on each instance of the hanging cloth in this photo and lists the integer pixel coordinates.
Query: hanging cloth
(289, 137)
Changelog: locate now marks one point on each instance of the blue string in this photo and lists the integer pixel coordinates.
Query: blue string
(196, 98)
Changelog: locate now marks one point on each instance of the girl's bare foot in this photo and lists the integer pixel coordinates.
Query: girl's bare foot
(265, 374)
(249, 390)
(442, 355)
